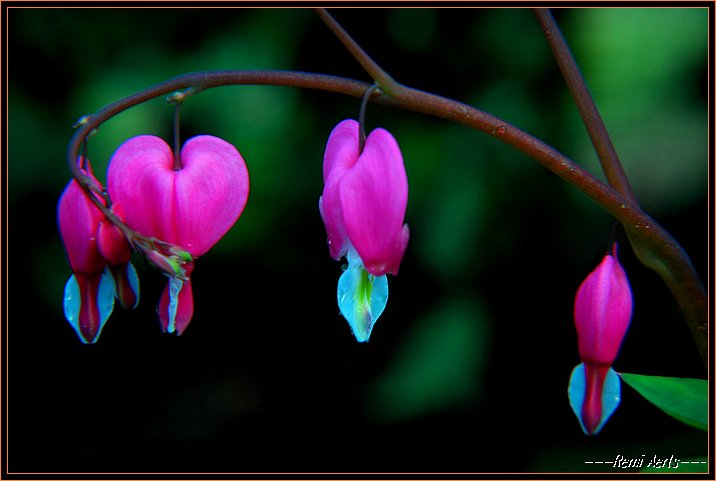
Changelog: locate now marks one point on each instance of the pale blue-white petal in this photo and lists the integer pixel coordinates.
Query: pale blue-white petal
(175, 286)
(379, 296)
(105, 299)
(72, 303)
(361, 297)
(133, 282)
(611, 395)
(576, 392)
(353, 258)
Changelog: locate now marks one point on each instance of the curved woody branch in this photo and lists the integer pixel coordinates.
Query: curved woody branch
(653, 245)
(663, 245)
(679, 283)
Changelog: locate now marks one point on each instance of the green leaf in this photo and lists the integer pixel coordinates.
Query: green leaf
(682, 398)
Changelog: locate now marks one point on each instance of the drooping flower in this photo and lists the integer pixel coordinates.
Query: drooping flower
(189, 205)
(114, 248)
(602, 312)
(99, 258)
(363, 205)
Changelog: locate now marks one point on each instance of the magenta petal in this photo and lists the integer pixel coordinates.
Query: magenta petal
(89, 318)
(330, 208)
(111, 242)
(192, 207)
(342, 149)
(602, 311)
(592, 408)
(126, 284)
(211, 192)
(342, 152)
(374, 197)
(78, 219)
(140, 179)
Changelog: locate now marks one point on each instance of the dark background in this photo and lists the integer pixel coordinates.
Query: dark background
(467, 369)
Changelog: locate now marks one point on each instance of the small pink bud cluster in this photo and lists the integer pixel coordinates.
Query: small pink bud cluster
(99, 257)
(182, 212)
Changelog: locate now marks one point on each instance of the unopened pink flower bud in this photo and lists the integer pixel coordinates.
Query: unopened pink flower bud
(172, 266)
(89, 292)
(602, 312)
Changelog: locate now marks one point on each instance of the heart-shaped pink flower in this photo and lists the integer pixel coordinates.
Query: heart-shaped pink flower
(192, 206)
(365, 196)
(363, 205)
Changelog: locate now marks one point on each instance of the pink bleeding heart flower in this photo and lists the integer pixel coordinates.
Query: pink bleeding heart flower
(91, 249)
(602, 313)
(189, 204)
(363, 205)
(365, 197)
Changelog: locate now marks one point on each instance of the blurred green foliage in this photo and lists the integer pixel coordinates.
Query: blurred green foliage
(438, 366)
(477, 336)
(660, 143)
